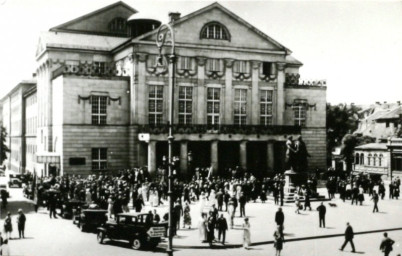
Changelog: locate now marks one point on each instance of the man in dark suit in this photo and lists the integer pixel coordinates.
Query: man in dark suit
(386, 245)
(322, 210)
(348, 237)
(222, 225)
(355, 194)
(242, 202)
(219, 199)
(280, 219)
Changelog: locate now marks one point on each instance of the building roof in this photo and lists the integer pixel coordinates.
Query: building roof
(78, 41)
(379, 146)
(30, 82)
(391, 114)
(234, 16)
(94, 13)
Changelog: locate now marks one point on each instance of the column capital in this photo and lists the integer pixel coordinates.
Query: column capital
(229, 63)
(201, 60)
(142, 57)
(281, 66)
(255, 64)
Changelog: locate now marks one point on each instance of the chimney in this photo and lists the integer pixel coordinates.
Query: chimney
(378, 103)
(174, 16)
(33, 75)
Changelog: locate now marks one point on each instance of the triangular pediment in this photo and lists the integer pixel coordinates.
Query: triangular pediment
(242, 34)
(98, 22)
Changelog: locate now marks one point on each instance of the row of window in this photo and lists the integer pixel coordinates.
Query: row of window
(374, 160)
(31, 149)
(185, 111)
(31, 125)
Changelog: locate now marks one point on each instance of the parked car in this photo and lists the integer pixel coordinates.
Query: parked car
(136, 228)
(91, 219)
(70, 208)
(14, 180)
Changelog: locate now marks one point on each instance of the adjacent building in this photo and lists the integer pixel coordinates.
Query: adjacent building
(100, 104)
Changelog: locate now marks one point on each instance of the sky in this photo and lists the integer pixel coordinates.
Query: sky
(355, 45)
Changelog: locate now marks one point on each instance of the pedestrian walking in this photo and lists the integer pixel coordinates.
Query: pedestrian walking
(219, 199)
(202, 227)
(3, 198)
(232, 205)
(187, 216)
(280, 219)
(307, 201)
(322, 210)
(361, 195)
(297, 204)
(279, 240)
(348, 237)
(210, 228)
(177, 212)
(110, 203)
(222, 225)
(5, 249)
(8, 226)
(157, 218)
(375, 199)
(52, 206)
(139, 203)
(246, 234)
(386, 244)
(242, 202)
(21, 219)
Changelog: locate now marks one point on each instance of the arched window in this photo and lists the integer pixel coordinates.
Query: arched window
(361, 158)
(357, 160)
(369, 159)
(118, 25)
(375, 160)
(380, 160)
(215, 30)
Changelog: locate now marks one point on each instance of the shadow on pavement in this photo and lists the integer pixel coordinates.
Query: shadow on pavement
(13, 206)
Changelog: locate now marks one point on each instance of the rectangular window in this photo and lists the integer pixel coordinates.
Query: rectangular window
(266, 68)
(241, 66)
(240, 106)
(99, 159)
(299, 115)
(266, 107)
(214, 65)
(155, 104)
(99, 106)
(99, 67)
(213, 105)
(184, 63)
(185, 104)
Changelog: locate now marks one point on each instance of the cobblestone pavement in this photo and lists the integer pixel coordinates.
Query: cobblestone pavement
(60, 237)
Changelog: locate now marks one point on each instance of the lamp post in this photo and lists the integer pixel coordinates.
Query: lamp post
(164, 36)
(189, 162)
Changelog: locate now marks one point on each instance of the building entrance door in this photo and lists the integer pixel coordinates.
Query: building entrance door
(257, 158)
(228, 156)
(201, 156)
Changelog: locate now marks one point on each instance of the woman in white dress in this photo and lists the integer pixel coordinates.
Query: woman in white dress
(202, 202)
(202, 228)
(145, 191)
(155, 199)
(246, 234)
(212, 198)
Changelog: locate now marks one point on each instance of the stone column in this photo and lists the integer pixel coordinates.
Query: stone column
(214, 156)
(152, 157)
(133, 86)
(270, 155)
(142, 153)
(280, 98)
(228, 109)
(141, 105)
(201, 92)
(183, 158)
(255, 106)
(243, 154)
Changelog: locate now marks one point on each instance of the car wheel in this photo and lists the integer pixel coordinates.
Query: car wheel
(100, 237)
(136, 244)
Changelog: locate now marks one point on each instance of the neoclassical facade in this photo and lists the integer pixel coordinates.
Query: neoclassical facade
(102, 104)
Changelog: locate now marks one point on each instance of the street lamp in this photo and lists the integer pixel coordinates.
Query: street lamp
(164, 36)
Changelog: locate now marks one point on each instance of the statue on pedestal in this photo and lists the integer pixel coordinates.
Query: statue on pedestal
(290, 162)
(296, 154)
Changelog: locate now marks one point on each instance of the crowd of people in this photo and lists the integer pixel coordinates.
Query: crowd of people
(214, 195)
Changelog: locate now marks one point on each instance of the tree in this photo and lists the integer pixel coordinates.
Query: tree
(341, 120)
(349, 142)
(3, 147)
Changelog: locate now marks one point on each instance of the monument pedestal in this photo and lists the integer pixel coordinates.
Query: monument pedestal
(290, 188)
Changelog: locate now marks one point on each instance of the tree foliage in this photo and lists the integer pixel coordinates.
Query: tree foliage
(3, 147)
(341, 120)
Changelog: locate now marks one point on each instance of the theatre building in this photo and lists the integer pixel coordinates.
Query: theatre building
(102, 105)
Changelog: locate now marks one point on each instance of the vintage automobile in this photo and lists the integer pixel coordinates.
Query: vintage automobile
(91, 218)
(69, 208)
(134, 228)
(15, 180)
